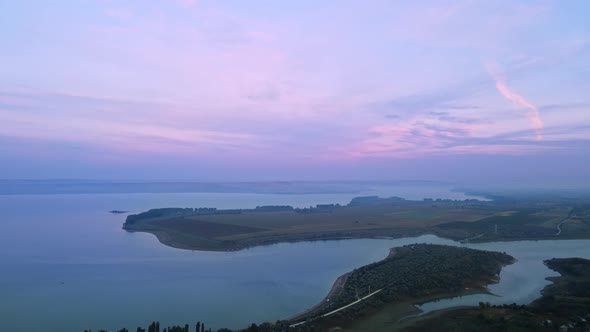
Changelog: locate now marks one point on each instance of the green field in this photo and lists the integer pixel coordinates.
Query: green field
(210, 229)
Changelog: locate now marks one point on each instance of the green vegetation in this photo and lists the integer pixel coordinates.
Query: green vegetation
(409, 274)
(365, 217)
(565, 304)
(419, 270)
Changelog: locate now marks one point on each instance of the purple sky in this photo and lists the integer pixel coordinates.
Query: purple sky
(267, 90)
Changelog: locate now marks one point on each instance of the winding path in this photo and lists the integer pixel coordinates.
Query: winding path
(471, 238)
(559, 226)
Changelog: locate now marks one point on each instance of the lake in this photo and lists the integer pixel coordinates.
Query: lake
(68, 266)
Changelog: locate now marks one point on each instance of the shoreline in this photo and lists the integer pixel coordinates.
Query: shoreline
(411, 304)
(365, 217)
(338, 284)
(164, 238)
(408, 313)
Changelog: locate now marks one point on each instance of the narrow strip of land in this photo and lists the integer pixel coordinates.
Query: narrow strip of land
(364, 217)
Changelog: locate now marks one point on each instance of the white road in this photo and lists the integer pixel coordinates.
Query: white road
(341, 308)
(559, 226)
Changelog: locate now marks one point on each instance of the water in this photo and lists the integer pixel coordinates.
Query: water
(67, 265)
(522, 282)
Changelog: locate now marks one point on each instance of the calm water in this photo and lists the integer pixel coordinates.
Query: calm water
(523, 281)
(67, 265)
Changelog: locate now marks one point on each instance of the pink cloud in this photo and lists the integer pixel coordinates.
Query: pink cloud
(142, 132)
(518, 100)
(410, 138)
(422, 136)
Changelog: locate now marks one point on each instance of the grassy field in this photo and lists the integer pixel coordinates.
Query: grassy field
(209, 229)
(246, 228)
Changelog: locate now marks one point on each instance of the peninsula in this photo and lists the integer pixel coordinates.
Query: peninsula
(408, 275)
(365, 217)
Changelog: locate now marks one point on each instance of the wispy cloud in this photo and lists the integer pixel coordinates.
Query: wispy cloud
(532, 111)
(391, 80)
(115, 124)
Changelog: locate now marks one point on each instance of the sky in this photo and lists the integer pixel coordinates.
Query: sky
(295, 90)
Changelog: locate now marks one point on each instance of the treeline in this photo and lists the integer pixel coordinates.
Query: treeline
(319, 208)
(155, 327)
(272, 208)
(279, 326)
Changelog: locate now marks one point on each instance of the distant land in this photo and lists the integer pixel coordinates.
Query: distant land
(65, 186)
(468, 220)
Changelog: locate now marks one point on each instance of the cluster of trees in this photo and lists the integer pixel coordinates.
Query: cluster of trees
(319, 208)
(274, 208)
(155, 327)
(278, 326)
(415, 271)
